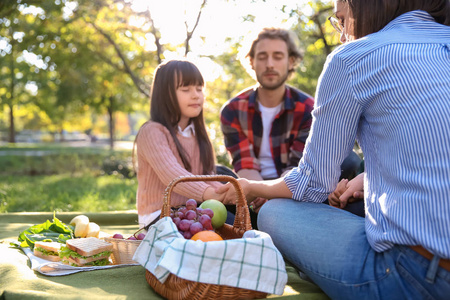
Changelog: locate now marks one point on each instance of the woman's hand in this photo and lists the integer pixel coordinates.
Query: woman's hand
(347, 191)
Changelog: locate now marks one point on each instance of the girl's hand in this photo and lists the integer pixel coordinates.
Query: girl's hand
(210, 193)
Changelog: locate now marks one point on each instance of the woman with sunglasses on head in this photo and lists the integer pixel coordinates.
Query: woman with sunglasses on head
(388, 86)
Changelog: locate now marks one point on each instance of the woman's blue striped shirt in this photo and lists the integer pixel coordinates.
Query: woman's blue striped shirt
(391, 91)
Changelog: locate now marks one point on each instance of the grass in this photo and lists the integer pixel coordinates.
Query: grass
(64, 192)
(60, 178)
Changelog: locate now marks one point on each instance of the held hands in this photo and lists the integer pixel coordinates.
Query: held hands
(210, 193)
(347, 192)
(228, 194)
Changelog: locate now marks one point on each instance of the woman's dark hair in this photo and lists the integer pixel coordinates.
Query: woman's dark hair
(164, 108)
(278, 34)
(372, 16)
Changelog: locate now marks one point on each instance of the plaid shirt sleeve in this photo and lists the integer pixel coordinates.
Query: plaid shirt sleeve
(301, 125)
(238, 135)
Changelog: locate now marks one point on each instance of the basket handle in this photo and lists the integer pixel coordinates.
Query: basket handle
(242, 217)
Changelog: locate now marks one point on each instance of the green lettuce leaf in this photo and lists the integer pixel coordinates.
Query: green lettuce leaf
(55, 231)
(47, 252)
(66, 252)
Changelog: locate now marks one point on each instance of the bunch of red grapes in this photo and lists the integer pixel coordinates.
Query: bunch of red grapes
(191, 219)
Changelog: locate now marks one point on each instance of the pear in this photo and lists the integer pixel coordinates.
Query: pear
(81, 223)
(93, 230)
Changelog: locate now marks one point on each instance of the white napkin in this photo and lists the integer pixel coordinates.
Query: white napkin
(51, 268)
(252, 262)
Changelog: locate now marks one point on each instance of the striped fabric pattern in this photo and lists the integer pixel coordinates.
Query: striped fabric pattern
(252, 262)
(242, 128)
(391, 91)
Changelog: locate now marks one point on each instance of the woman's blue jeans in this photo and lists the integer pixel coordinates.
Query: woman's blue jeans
(330, 246)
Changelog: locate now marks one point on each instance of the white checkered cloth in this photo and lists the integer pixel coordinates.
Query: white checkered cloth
(252, 262)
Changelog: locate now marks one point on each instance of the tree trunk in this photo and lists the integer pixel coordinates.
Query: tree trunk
(62, 136)
(12, 130)
(111, 122)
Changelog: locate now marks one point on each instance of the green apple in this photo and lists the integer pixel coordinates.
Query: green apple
(220, 212)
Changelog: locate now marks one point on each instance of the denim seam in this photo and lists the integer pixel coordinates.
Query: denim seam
(407, 276)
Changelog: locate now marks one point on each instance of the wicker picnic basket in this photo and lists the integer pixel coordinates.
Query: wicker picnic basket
(177, 288)
(123, 250)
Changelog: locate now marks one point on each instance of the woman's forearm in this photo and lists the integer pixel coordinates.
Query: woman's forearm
(268, 189)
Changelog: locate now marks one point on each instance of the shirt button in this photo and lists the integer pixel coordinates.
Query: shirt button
(308, 172)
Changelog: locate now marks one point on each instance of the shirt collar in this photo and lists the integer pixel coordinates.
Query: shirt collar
(188, 131)
(288, 101)
(411, 17)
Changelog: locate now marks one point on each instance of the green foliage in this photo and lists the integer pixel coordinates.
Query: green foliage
(93, 60)
(63, 193)
(42, 159)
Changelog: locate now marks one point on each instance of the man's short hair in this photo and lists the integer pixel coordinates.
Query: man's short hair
(277, 34)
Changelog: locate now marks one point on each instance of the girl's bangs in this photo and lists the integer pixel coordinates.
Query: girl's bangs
(188, 74)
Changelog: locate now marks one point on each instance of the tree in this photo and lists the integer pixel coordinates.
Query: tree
(317, 39)
(20, 65)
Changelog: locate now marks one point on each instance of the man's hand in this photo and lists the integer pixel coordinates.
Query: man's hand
(256, 204)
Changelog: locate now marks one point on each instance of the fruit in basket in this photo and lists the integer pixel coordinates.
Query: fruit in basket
(219, 209)
(81, 223)
(191, 204)
(184, 225)
(117, 236)
(187, 235)
(185, 217)
(141, 236)
(132, 238)
(208, 211)
(195, 227)
(191, 215)
(206, 236)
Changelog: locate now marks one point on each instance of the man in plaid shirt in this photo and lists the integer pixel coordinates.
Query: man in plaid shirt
(266, 126)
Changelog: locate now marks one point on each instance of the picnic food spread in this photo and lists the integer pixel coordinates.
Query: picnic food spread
(188, 228)
(77, 244)
(84, 228)
(19, 279)
(47, 250)
(83, 252)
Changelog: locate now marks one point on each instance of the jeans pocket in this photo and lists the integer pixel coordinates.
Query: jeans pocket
(413, 274)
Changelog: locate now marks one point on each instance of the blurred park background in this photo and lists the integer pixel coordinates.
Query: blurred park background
(75, 81)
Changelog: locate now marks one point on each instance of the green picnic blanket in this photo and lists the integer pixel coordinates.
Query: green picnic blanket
(18, 281)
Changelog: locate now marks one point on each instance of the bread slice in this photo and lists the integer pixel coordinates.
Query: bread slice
(47, 257)
(88, 246)
(47, 250)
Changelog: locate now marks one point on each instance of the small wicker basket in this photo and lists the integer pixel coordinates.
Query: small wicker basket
(123, 250)
(177, 288)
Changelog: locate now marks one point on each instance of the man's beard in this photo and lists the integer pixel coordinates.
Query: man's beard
(273, 85)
